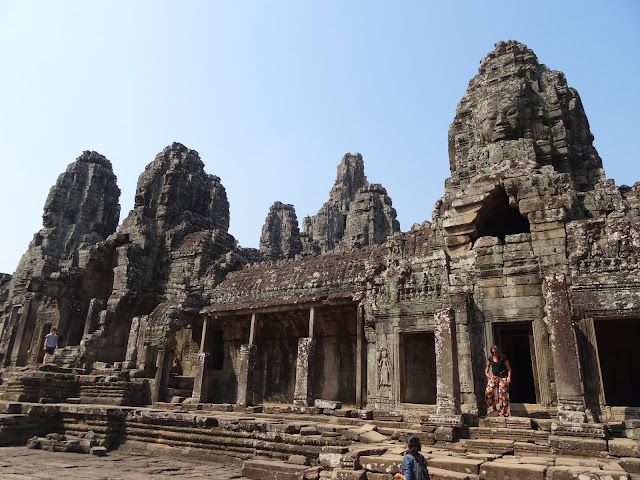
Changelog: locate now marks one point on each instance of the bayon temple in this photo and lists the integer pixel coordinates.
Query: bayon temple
(344, 323)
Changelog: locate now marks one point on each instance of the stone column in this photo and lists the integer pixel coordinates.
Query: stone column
(132, 345)
(161, 378)
(203, 337)
(247, 359)
(571, 406)
(201, 381)
(302, 395)
(92, 321)
(448, 416)
(361, 372)
(463, 311)
(24, 334)
(541, 346)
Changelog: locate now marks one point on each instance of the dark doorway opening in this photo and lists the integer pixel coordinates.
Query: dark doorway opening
(418, 368)
(499, 219)
(516, 342)
(619, 354)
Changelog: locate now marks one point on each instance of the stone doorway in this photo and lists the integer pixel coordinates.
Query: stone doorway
(619, 355)
(40, 346)
(418, 368)
(516, 342)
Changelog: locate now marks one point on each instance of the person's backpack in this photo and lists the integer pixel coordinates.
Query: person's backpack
(421, 468)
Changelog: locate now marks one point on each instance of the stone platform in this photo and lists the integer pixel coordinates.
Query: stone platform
(287, 442)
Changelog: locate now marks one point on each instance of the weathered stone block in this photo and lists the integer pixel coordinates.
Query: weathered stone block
(381, 464)
(298, 460)
(372, 437)
(631, 465)
(329, 460)
(624, 447)
(270, 470)
(500, 471)
(461, 465)
(327, 404)
(344, 474)
(379, 476)
(98, 451)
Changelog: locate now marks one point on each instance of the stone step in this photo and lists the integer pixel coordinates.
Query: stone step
(515, 434)
(522, 423)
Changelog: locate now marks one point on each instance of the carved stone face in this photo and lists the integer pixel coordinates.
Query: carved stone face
(505, 119)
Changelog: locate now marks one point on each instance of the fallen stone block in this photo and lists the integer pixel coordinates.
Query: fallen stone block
(379, 476)
(631, 465)
(501, 470)
(456, 464)
(98, 451)
(624, 447)
(344, 474)
(34, 443)
(329, 460)
(381, 464)
(309, 430)
(312, 473)
(269, 470)
(327, 404)
(440, 474)
(372, 437)
(283, 428)
(298, 460)
(586, 473)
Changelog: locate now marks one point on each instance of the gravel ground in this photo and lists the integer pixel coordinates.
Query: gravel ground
(21, 463)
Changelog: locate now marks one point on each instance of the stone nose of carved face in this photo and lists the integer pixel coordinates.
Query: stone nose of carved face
(501, 119)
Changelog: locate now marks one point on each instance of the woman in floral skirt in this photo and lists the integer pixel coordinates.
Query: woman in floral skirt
(499, 376)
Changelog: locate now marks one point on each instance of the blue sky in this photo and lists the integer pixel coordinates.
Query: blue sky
(273, 94)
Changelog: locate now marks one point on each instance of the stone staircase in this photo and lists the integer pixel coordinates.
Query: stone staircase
(509, 436)
(66, 357)
(180, 388)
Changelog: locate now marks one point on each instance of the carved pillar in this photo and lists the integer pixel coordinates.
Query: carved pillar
(24, 334)
(571, 405)
(132, 345)
(361, 373)
(463, 315)
(447, 382)
(201, 382)
(448, 417)
(594, 389)
(246, 372)
(203, 338)
(302, 394)
(92, 321)
(541, 347)
(161, 378)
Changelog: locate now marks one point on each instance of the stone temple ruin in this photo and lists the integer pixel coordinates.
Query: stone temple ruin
(349, 331)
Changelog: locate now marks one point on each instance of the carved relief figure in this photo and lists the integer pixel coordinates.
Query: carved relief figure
(383, 367)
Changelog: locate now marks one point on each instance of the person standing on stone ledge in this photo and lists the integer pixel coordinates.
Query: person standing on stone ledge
(50, 344)
(501, 377)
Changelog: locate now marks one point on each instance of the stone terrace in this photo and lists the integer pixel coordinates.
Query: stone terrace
(287, 442)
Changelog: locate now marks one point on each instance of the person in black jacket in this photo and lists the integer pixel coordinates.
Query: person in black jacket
(500, 376)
